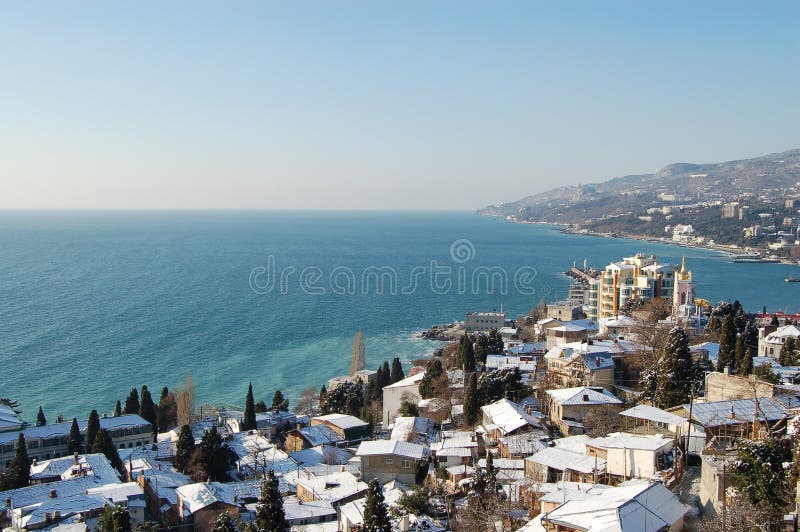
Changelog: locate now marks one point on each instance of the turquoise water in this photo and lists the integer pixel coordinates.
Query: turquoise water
(93, 303)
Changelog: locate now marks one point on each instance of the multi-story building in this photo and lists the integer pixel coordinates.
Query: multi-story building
(50, 441)
(484, 321)
(637, 277)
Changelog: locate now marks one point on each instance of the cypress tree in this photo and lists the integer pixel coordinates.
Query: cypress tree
(104, 444)
(376, 514)
(432, 374)
(739, 356)
(132, 402)
(787, 356)
(471, 401)
(184, 448)
(167, 410)
(270, 516)
(280, 402)
(19, 471)
(491, 472)
(117, 409)
(92, 428)
(465, 354)
(74, 440)
(147, 409)
(40, 419)
(213, 455)
(323, 394)
(678, 374)
(397, 371)
(750, 339)
(727, 343)
(249, 421)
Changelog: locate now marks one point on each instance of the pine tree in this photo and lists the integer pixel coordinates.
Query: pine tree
(225, 523)
(788, 353)
(117, 409)
(249, 420)
(750, 339)
(280, 402)
(40, 419)
(147, 409)
(397, 371)
(727, 343)
(213, 455)
(471, 401)
(270, 516)
(104, 444)
(74, 440)
(376, 514)
(19, 471)
(132, 402)
(432, 374)
(92, 428)
(121, 520)
(184, 448)
(678, 374)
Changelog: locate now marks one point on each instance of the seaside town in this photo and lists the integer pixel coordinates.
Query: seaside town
(634, 404)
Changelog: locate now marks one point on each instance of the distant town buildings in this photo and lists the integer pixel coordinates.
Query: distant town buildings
(484, 321)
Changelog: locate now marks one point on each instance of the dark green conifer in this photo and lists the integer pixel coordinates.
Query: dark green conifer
(249, 420)
(270, 515)
(92, 428)
(132, 402)
(74, 439)
(397, 371)
(376, 514)
(184, 448)
(40, 419)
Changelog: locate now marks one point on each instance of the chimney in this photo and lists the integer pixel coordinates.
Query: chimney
(597, 361)
(34, 462)
(586, 397)
(53, 494)
(75, 456)
(726, 370)
(48, 517)
(57, 515)
(8, 502)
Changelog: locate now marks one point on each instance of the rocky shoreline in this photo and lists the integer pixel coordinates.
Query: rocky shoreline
(443, 333)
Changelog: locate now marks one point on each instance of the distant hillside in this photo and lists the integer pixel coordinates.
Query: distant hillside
(768, 178)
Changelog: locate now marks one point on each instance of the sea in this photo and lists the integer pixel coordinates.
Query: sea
(93, 303)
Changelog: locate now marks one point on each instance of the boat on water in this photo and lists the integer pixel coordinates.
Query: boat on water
(791, 279)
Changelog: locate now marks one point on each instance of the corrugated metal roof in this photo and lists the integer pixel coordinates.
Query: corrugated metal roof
(583, 395)
(393, 447)
(738, 411)
(652, 413)
(561, 459)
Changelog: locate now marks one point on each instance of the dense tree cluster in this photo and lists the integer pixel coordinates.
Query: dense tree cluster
(347, 398)
(676, 377)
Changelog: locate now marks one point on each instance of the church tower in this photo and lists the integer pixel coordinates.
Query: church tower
(683, 293)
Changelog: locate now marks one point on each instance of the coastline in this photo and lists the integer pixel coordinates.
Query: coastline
(726, 249)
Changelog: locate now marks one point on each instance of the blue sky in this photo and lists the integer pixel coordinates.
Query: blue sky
(371, 105)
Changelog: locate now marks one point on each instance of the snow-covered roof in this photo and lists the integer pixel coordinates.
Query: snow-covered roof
(623, 440)
(393, 447)
(738, 411)
(503, 463)
(118, 493)
(343, 421)
(69, 467)
(408, 381)
(529, 348)
(632, 507)
(333, 487)
(525, 443)
(787, 331)
(509, 416)
(413, 429)
(197, 496)
(652, 413)
(321, 453)
(576, 443)
(562, 459)
(319, 435)
(36, 493)
(54, 430)
(583, 395)
(618, 321)
(297, 510)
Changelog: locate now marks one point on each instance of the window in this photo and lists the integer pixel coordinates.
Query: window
(406, 464)
(389, 461)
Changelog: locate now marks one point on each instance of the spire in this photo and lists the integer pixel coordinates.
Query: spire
(683, 275)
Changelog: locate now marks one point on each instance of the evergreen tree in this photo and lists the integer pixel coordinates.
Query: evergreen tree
(727, 343)
(213, 455)
(167, 410)
(104, 444)
(491, 472)
(92, 428)
(118, 409)
(739, 356)
(774, 321)
(471, 401)
(347, 398)
(184, 448)
(225, 523)
(74, 440)
(678, 374)
(739, 319)
(270, 516)
(323, 394)
(40, 419)
(465, 354)
(750, 338)
(433, 373)
(376, 514)
(132, 402)
(249, 420)
(386, 375)
(788, 353)
(397, 371)
(147, 409)
(19, 470)
(121, 520)
(280, 402)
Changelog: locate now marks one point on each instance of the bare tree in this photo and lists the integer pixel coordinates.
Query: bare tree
(308, 401)
(601, 421)
(650, 333)
(741, 514)
(184, 397)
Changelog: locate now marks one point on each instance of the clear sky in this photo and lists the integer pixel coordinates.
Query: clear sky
(351, 105)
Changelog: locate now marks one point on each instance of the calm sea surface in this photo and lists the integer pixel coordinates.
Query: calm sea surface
(93, 303)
